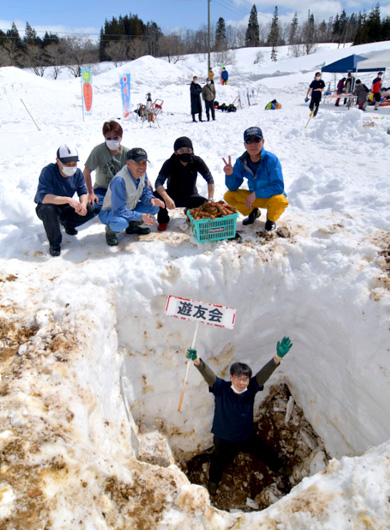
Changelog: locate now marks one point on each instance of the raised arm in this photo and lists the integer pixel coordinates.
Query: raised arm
(282, 348)
(207, 373)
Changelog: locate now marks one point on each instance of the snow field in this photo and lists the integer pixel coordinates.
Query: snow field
(101, 332)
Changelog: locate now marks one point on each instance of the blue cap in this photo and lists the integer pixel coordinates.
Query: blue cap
(253, 131)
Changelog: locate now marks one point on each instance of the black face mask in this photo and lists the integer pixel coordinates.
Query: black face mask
(185, 157)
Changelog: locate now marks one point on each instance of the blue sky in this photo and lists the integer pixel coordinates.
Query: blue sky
(88, 16)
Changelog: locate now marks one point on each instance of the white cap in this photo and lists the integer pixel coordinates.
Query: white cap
(67, 154)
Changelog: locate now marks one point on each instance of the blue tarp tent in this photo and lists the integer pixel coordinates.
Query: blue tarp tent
(348, 64)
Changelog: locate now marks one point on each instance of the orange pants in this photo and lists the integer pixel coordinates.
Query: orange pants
(274, 205)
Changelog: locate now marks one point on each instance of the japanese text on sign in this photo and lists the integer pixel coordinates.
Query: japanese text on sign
(211, 314)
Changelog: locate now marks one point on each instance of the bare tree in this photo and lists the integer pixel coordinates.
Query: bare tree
(137, 48)
(171, 47)
(4, 57)
(235, 36)
(35, 58)
(78, 51)
(117, 51)
(309, 34)
(55, 57)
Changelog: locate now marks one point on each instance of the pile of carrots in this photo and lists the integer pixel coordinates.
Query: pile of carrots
(212, 210)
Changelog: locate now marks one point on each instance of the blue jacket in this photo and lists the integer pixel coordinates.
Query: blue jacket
(118, 199)
(52, 182)
(268, 180)
(225, 75)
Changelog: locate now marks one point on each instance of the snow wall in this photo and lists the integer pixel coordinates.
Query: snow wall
(340, 335)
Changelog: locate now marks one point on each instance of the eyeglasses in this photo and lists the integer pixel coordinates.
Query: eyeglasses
(184, 150)
(115, 138)
(241, 379)
(253, 140)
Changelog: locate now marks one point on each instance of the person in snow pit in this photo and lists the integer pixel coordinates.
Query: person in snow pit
(263, 172)
(129, 200)
(233, 427)
(106, 159)
(181, 171)
(54, 197)
(316, 88)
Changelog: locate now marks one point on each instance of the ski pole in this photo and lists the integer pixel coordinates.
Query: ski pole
(187, 370)
(30, 114)
(310, 117)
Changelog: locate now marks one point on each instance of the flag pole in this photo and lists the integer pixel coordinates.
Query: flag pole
(188, 369)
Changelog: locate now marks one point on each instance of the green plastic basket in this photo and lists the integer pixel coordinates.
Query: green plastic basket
(214, 229)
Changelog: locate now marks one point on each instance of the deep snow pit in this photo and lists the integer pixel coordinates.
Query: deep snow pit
(90, 434)
(248, 484)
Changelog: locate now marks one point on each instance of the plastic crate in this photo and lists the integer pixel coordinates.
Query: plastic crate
(214, 229)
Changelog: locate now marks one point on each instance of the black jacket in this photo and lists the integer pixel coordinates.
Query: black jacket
(182, 179)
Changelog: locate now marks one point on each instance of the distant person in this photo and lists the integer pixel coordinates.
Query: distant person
(55, 203)
(316, 87)
(340, 89)
(129, 200)
(208, 94)
(263, 173)
(376, 89)
(181, 172)
(224, 76)
(210, 75)
(196, 103)
(349, 86)
(233, 427)
(106, 159)
(362, 93)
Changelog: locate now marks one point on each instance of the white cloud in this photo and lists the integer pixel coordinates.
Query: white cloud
(62, 31)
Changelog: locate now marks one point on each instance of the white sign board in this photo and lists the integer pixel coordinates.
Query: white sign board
(210, 314)
(244, 98)
(252, 96)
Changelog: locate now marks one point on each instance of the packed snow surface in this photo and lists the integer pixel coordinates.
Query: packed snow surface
(92, 368)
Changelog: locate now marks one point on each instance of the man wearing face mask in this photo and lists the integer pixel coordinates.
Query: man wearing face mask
(233, 427)
(55, 203)
(180, 172)
(316, 87)
(106, 159)
(208, 94)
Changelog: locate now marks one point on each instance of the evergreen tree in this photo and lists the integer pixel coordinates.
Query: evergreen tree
(30, 36)
(361, 32)
(50, 38)
(293, 36)
(273, 36)
(309, 33)
(374, 26)
(252, 35)
(220, 35)
(336, 29)
(386, 28)
(14, 37)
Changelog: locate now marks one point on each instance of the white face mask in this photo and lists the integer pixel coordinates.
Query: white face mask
(68, 171)
(318, 77)
(237, 391)
(209, 82)
(113, 145)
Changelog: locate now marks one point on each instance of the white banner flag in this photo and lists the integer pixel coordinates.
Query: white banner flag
(210, 314)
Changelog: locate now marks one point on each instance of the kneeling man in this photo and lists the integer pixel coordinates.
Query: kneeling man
(263, 172)
(55, 203)
(129, 200)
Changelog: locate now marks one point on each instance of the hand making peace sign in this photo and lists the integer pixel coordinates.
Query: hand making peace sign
(228, 169)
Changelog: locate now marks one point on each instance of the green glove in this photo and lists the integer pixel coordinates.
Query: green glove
(283, 347)
(191, 354)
